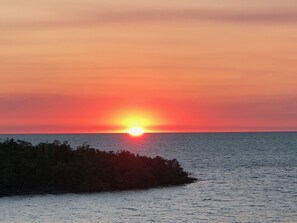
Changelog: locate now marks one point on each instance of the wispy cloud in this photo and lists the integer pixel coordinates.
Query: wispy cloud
(155, 16)
(196, 15)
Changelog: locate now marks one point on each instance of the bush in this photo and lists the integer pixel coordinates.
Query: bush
(57, 168)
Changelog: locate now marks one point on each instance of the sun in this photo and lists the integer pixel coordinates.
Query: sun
(136, 131)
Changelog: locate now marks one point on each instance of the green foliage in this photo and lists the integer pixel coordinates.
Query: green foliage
(56, 168)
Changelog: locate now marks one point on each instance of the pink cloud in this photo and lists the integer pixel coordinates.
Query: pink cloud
(154, 16)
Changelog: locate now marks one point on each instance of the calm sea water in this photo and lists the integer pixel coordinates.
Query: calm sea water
(243, 177)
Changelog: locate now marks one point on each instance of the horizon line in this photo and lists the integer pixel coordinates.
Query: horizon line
(151, 132)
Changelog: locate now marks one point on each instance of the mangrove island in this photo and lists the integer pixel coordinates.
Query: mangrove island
(57, 168)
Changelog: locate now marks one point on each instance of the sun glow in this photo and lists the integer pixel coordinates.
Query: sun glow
(136, 131)
(136, 121)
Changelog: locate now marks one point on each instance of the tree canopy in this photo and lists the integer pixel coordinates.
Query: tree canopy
(57, 168)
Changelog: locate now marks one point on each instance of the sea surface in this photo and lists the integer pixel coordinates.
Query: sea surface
(243, 177)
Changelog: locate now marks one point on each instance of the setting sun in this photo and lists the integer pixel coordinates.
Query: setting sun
(136, 121)
(136, 131)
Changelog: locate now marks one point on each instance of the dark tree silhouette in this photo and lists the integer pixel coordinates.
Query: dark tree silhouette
(58, 168)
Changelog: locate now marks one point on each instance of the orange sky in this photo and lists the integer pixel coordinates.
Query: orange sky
(103, 66)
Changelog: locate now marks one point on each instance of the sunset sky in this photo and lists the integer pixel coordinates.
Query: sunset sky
(171, 65)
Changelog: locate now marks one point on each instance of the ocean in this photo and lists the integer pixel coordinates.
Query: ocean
(242, 177)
